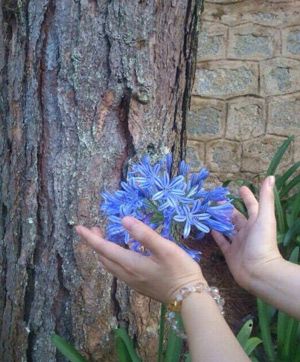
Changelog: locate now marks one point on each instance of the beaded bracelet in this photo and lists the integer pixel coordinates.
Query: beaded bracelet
(175, 306)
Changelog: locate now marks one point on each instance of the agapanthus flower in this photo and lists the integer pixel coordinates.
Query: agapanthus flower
(169, 190)
(177, 205)
(192, 216)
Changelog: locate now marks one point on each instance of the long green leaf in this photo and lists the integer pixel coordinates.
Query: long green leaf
(122, 351)
(251, 344)
(67, 349)
(263, 316)
(291, 337)
(282, 179)
(278, 156)
(125, 348)
(297, 354)
(287, 335)
(282, 321)
(286, 189)
(279, 212)
(239, 205)
(292, 232)
(242, 182)
(174, 345)
(294, 257)
(245, 333)
(295, 207)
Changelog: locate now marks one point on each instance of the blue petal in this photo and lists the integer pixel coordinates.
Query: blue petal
(158, 195)
(179, 218)
(159, 183)
(177, 181)
(201, 226)
(186, 230)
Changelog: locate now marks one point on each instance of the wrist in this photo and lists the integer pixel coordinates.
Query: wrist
(261, 275)
(193, 280)
(187, 293)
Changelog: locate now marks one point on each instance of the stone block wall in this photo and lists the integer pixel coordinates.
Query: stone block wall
(246, 95)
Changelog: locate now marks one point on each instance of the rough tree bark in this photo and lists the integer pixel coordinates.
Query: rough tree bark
(86, 86)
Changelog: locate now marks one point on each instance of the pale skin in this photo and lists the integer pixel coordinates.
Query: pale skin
(251, 254)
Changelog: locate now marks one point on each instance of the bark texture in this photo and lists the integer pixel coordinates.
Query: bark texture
(87, 86)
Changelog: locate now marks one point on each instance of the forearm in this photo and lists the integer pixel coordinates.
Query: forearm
(278, 283)
(210, 338)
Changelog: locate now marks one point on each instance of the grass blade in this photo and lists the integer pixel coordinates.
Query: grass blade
(278, 156)
(67, 349)
(263, 315)
(125, 348)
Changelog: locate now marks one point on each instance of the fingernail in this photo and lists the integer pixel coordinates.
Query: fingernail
(271, 180)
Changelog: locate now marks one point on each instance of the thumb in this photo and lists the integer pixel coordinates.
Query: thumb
(266, 199)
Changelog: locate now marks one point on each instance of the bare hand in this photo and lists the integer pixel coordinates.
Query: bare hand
(158, 276)
(254, 246)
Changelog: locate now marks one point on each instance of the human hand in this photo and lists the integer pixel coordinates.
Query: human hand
(159, 275)
(253, 247)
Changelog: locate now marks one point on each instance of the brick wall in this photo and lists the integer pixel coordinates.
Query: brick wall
(246, 95)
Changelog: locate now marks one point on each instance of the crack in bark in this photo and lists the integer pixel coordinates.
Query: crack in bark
(42, 193)
(63, 322)
(9, 21)
(190, 37)
(108, 43)
(115, 302)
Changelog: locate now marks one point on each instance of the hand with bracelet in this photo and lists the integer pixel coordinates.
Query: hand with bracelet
(170, 274)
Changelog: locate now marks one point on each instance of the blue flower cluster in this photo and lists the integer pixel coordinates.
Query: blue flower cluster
(178, 206)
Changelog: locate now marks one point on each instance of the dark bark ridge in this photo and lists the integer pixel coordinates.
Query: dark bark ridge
(86, 87)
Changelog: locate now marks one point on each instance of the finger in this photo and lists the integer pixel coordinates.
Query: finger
(148, 237)
(266, 199)
(221, 241)
(238, 219)
(114, 268)
(106, 248)
(250, 201)
(96, 230)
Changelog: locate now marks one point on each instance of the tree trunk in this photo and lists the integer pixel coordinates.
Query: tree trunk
(87, 86)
